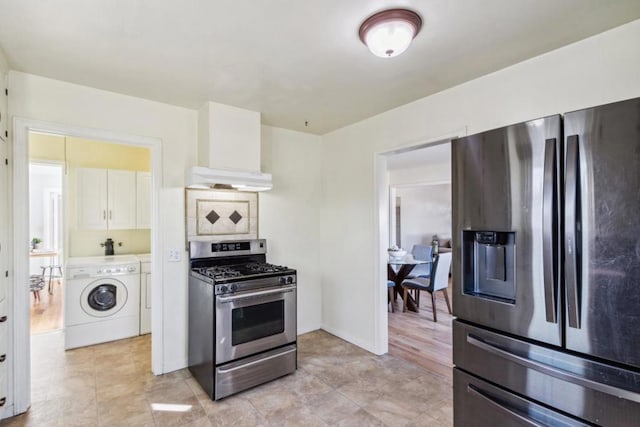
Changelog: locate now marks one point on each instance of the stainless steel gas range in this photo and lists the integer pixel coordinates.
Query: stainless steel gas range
(242, 316)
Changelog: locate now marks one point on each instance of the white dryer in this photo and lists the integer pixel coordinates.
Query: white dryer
(102, 301)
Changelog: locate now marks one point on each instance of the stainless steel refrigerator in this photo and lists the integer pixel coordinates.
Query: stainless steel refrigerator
(546, 271)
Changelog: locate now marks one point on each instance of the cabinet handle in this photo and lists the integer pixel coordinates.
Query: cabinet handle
(3, 319)
(104, 214)
(3, 401)
(3, 358)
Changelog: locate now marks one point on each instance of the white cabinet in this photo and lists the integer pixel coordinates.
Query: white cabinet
(91, 199)
(105, 199)
(121, 190)
(3, 358)
(143, 200)
(145, 298)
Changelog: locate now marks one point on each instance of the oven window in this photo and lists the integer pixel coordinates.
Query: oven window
(257, 321)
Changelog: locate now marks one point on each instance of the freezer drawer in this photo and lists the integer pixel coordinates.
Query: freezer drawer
(595, 392)
(478, 403)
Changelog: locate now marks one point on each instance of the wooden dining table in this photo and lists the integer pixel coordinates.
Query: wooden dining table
(397, 270)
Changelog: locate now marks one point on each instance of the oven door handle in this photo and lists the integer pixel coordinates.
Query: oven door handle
(257, 294)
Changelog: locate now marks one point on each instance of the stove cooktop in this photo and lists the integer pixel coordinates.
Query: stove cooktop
(240, 271)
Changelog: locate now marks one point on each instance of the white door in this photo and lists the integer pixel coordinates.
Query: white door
(91, 199)
(121, 199)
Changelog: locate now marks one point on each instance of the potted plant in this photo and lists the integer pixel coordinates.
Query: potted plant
(36, 243)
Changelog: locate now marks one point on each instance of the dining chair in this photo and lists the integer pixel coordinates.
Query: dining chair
(421, 253)
(439, 281)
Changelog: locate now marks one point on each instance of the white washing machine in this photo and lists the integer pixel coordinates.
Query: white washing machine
(102, 301)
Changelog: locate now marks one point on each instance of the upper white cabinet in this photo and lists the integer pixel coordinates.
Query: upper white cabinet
(143, 200)
(105, 199)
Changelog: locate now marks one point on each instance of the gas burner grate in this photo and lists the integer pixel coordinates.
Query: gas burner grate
(265, 268)
(219, 272)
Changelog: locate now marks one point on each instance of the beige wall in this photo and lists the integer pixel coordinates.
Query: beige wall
(597, 70)
(84, 153)
(290, 214)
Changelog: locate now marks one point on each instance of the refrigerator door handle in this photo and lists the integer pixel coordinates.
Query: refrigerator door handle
(570, 234)
(552, 371)
(499, 406)
(549, 208)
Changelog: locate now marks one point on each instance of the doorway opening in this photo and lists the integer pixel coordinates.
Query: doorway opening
(46, 254)
(419, 221)
(32, 355)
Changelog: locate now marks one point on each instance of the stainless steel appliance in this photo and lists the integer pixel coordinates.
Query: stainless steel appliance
(242, 316)
(547, 271)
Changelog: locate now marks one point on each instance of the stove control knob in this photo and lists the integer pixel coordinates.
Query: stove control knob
(233, 287)
(282, 281)
(223, 289)
(289, 279)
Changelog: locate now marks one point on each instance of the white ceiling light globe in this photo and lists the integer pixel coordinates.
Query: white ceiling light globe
(389, 33)
(389, 39)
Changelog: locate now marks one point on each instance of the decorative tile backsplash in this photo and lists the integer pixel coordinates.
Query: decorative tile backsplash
(216, 217)
(221, 214)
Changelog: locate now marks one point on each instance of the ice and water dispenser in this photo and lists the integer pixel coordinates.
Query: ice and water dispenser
(488, 264)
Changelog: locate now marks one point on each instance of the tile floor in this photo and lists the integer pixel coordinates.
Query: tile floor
(336, 383)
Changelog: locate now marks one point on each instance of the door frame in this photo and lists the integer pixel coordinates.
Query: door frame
(18, 296)
(381, 230)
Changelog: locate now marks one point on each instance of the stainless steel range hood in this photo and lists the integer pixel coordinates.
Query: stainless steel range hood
(228, 150)
(202, 177)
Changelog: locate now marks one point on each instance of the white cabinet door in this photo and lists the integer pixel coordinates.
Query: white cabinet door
(91, 199)
(121, 199)
(143, 200)
(4, 354)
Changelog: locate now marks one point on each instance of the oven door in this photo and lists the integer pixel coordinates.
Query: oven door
(251, 322)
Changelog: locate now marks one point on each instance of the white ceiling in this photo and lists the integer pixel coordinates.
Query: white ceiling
(295, 61)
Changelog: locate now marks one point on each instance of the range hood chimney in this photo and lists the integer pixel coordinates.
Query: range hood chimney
(228, 150)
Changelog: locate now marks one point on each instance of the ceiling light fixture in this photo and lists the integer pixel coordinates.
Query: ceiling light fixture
(389, 33)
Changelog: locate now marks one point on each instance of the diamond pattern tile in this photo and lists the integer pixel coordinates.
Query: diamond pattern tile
(212, 217)
(235, 217)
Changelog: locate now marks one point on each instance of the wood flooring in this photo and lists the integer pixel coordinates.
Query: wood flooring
(46, 314)
(415, 337)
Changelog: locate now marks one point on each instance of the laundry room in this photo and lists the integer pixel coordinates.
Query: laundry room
(90, 228)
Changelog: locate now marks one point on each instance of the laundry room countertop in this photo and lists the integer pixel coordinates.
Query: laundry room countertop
(101, 260)
(144, 257)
